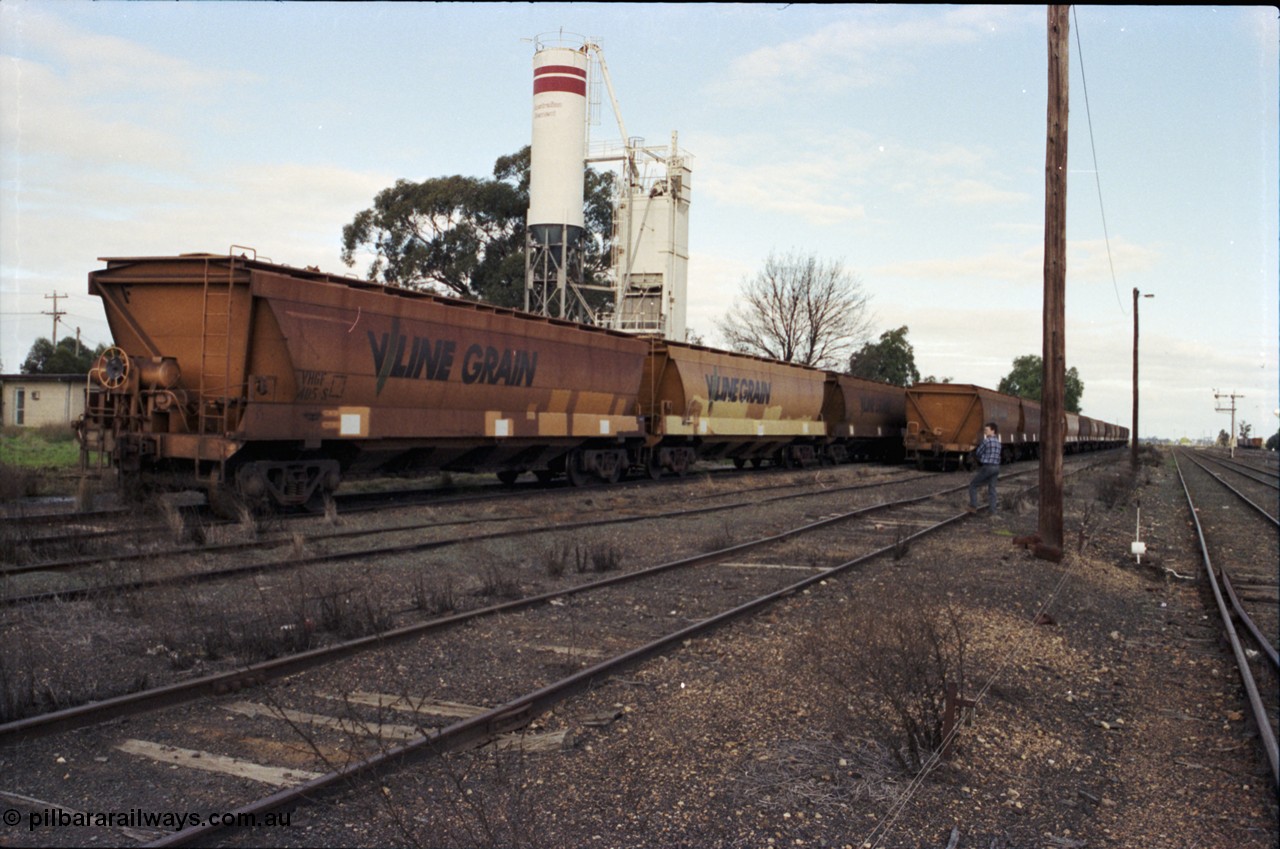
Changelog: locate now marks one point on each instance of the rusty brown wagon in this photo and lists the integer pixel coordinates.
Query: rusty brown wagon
(273, 383)
(700, 403)
(235, 372)
(945, 420)
(866, 420)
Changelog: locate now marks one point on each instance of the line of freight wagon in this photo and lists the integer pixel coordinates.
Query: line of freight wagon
(272, 384)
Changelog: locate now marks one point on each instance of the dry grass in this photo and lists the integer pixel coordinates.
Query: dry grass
(891, 689)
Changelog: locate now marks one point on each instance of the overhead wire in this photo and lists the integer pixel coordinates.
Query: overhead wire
(881, 831)
(1084, 84)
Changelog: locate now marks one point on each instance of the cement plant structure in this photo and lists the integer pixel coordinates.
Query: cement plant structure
(650, 257)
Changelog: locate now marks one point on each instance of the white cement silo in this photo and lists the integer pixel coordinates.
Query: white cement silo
(558, 148)
(557, 163)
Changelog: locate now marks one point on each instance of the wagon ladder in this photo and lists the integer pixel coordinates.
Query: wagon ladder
(214, 403)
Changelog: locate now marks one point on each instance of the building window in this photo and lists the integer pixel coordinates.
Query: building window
(19, 406)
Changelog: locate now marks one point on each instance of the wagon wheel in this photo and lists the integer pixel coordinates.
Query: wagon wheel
(577, 475)
(112, 368)
(615, 471)
(508, 476)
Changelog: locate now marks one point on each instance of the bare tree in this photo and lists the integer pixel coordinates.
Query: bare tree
(799, 309)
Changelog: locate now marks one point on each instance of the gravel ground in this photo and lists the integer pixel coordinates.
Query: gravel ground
(1108, 711)
(1108, 714)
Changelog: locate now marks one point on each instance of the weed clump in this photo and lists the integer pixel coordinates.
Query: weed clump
(19, 482)
(434, 599)
(1115, 489)
(597, 558)
(888, 672)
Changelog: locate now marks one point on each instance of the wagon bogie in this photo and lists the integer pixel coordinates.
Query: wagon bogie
(677, 459)
(590, 465)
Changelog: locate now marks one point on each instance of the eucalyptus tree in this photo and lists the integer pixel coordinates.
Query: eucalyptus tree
(464, 236)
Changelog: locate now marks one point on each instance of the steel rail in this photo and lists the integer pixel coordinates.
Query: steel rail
(1247, 471)
(1261, 719)
(1263, 641)
(520, 710)
(82, 593)
(1262, 510)
(218, 684)
(229, 548)
(355, 502)
(23, 519)
(1258, 637)
(1266, 466)
(349, 503)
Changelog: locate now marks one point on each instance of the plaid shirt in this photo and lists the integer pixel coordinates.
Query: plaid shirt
(989, 451)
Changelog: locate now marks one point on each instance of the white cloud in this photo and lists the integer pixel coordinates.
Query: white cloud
(104, 65)
(825, 179)
(714, 282)
(97, 158)
(47, 120)
(867, 48)
(1088, 262)
(1020, 265)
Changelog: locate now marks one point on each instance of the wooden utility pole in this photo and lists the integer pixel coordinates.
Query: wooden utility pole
(1133, 455)
(56, 313)
(1053, 414)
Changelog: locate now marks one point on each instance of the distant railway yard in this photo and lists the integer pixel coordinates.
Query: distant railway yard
(728, 658)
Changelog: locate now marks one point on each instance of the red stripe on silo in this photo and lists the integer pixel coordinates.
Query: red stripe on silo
(560, 69)
(564, 84)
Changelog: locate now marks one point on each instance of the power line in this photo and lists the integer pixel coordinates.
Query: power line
(1097, 180)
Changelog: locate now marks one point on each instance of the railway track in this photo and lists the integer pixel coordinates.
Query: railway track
(66, 538)
(1265, 461)
(398, 696)
(1240, 545)
(105, 565)
(250, 615)
(1267, 478)
(71, 539)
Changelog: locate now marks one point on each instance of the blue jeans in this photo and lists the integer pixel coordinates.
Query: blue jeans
(986, 474)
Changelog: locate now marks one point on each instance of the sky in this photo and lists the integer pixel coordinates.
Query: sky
(906, 142)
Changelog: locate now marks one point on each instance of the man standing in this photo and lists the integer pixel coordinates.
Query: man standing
(988, 452)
